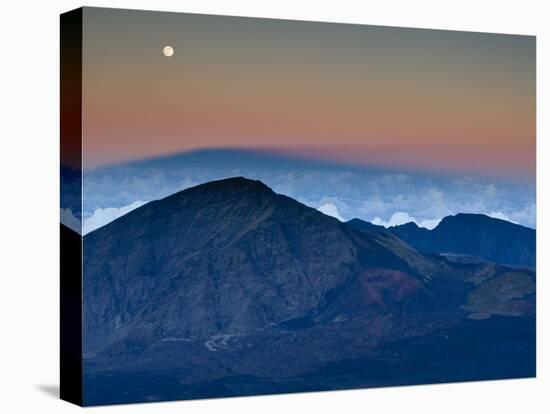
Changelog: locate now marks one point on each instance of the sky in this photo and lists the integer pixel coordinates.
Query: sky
(421, 123)
(443, 101)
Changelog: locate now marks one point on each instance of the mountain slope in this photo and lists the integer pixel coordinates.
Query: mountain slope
(228, 288)
(469, 234)
(229, 256)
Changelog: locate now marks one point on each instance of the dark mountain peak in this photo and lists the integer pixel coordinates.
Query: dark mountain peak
(474, 235)
(468, 234)
(480, 221)
(359, 224)
(357, 221)
(233, 185)
(469, 218)
(224, 198)
(252, 194)
(409, 225)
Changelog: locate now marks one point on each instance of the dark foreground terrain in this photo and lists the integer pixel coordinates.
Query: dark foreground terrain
(472, 350)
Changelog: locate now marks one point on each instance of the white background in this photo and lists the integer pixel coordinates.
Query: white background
(29, 209)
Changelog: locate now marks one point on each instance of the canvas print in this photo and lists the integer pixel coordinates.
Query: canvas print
(258, 206)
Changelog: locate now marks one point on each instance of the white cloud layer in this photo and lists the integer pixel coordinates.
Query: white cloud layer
(330, 210)
(402, 217)
(501, 215)
(383, 197)
(103, 216)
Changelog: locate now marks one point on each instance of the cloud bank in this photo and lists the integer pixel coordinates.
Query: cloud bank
(330, 210)
(102, 216)
(402, 217)
(380, 196)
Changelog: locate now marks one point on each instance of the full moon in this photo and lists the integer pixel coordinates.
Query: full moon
(168, 51)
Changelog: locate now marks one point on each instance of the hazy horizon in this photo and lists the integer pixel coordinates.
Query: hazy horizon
(380, 195)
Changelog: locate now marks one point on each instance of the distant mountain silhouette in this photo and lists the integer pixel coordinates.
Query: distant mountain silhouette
(468, 234)
(228, 288)
(230, 158)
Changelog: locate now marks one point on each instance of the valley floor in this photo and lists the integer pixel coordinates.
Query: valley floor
(334, 356)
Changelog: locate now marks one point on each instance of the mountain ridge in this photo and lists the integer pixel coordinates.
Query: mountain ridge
(468, 234)
(178, 290)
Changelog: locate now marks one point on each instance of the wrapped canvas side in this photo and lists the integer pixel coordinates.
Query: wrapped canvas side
(71, 206)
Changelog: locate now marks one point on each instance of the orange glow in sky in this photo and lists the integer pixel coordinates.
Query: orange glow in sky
(405, 98)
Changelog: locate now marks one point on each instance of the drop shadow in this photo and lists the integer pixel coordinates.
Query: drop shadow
(49, 389)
